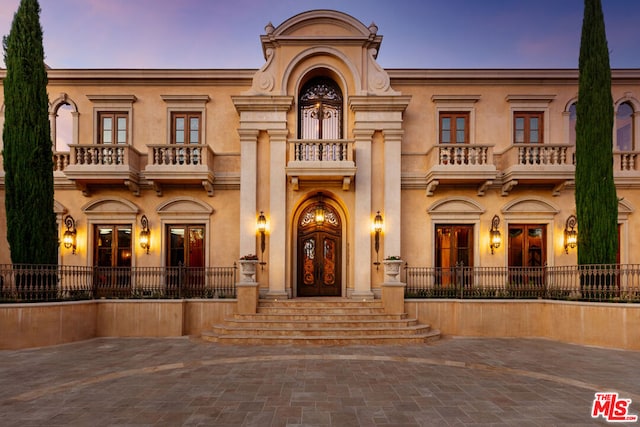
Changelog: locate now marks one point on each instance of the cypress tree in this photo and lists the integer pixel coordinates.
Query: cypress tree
(596, 199)
(31, 224)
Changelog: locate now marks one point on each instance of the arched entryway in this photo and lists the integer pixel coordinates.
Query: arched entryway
(319, 251)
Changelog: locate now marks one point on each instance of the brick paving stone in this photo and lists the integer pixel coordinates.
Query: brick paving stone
(167, 382)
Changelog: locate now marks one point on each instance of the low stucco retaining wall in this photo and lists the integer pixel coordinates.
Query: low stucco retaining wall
(44, 324)
(598, 324)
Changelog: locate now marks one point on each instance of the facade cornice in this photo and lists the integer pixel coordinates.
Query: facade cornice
(379, 103)
(262, 103)
(412, 74)
(245, 75)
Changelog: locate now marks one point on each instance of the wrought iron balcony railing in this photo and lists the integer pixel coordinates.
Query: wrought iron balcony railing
(605, 283)
(34, 283)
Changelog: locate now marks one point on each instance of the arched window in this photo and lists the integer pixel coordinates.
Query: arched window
(572, 123)
(320, 110)
(624, 127)
(64, 127)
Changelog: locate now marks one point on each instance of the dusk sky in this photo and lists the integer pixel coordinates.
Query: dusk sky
(417, 33)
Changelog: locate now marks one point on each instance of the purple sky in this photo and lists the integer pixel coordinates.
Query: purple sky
(417, 33)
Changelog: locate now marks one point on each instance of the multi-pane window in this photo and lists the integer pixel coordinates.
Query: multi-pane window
(185, 128)
(527, 247)
(185, 259)
(63, 127)
(527, 254)
(624, 127)
(112, 128)
(320, 111)
(112, 253)
(186, 246)
(527, 127)
(454, 128)
(112, 246)
(573, 118)
(454, 248)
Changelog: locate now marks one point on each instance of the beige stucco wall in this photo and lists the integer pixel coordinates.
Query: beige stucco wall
(606, 325)
(312, 46)
(36, 325)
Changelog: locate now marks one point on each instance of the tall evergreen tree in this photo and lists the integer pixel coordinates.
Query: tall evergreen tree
(31, 223)
(596, 199)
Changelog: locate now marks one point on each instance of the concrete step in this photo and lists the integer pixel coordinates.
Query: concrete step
(325, 321)
(323, 302)
(320, 310)
(322, 340)
(316, 332)
(283, 316)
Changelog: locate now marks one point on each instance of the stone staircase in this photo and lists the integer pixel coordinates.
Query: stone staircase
(326, 321)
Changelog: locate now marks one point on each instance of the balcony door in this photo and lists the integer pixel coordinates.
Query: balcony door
(319, 254)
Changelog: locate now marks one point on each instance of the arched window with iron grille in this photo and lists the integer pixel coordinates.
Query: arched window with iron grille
(320, 110)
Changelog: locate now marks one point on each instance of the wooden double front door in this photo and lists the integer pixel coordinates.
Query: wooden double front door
(319, 253)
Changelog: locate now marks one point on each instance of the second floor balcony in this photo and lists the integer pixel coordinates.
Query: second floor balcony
(544, 164)
(460, 164)
(178, 164)
(321, 160)
(105, 164)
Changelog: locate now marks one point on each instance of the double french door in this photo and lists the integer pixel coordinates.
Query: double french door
(112, 259)
(185, 259)
(454, 253)
(319, 252)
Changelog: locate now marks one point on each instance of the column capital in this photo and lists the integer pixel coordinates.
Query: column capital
(248, 134)
(362, 134)
(393, 134)
(278, 134)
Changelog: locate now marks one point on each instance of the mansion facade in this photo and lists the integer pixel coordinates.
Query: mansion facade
(323, 164)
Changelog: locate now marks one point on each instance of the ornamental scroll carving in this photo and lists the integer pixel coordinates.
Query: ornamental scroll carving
(263, 80)
(378, 79)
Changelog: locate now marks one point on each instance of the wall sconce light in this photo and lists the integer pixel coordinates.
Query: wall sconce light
(377, 229)
(570, 233)
(262, 229)
(69, 238)
(319, 213)
(494, 234)
(145, 234)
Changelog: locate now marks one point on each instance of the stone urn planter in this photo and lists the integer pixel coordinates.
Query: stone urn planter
(248, 268)
(392, 268)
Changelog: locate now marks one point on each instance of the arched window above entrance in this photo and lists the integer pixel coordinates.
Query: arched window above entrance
(319, 214)
(320, 110)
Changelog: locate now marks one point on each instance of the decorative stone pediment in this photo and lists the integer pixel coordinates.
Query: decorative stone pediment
(112, 206)
(530, 206)
(458, 207)
(184, 206)
(321, 36)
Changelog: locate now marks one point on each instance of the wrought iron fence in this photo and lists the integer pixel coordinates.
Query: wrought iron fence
(35, 283)
(604, 283)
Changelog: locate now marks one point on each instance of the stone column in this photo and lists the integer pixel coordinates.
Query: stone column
(277, 214)
(362, 216)
(392, 187)
(248, 181)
